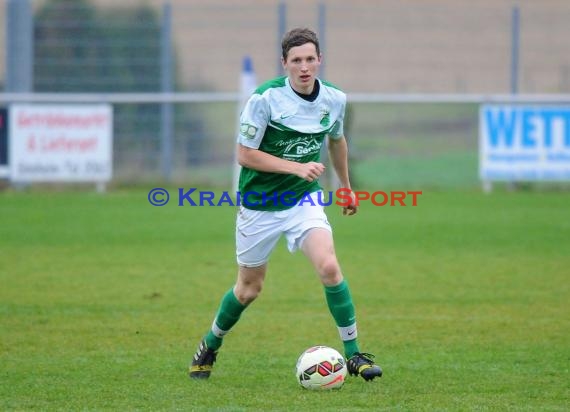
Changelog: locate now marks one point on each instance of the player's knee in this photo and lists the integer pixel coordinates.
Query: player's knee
(329, 271)
(248, 292)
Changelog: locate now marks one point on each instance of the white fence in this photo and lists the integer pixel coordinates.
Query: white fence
(412, 140)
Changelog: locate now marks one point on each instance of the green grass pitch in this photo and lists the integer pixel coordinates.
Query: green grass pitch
(464, 299)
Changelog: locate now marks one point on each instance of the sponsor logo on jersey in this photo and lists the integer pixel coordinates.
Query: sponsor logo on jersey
(301, 148)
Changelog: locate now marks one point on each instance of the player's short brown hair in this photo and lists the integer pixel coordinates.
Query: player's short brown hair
(298, 37)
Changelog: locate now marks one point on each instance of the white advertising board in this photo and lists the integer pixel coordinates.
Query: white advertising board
(60, 143)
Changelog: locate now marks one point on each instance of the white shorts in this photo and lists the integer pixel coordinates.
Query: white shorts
(257, 231)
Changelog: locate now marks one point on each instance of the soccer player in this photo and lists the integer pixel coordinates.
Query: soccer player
(283, 126)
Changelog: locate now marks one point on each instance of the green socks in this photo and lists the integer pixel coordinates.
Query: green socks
(339, 302)
(342, 309)
(227, 316)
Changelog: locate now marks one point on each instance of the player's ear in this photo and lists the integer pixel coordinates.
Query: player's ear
(283, 62)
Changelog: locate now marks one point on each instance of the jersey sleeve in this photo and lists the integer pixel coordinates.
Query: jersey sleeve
(337, 129)
(253, 121)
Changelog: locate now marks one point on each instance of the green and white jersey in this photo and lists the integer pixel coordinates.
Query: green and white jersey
(278, 121)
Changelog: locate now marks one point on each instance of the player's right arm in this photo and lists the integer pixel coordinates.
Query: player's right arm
(264, 162)
(253, 122)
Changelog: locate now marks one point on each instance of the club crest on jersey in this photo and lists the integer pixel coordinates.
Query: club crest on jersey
(247, 130)
(325, 117)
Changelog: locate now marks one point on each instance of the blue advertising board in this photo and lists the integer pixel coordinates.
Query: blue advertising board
(524, 143)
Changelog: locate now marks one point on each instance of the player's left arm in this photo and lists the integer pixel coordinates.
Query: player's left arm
(338, 154)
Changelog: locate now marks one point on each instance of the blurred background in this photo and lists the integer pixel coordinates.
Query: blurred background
(415, 73)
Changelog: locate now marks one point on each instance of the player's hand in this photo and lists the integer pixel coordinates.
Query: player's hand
(352, 207)
(310, 171)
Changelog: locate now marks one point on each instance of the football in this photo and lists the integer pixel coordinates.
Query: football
(321, 367)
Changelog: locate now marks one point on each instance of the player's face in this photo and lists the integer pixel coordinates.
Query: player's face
(302, 65)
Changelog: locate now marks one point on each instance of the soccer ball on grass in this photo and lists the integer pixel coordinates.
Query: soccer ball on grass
(321, 367)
